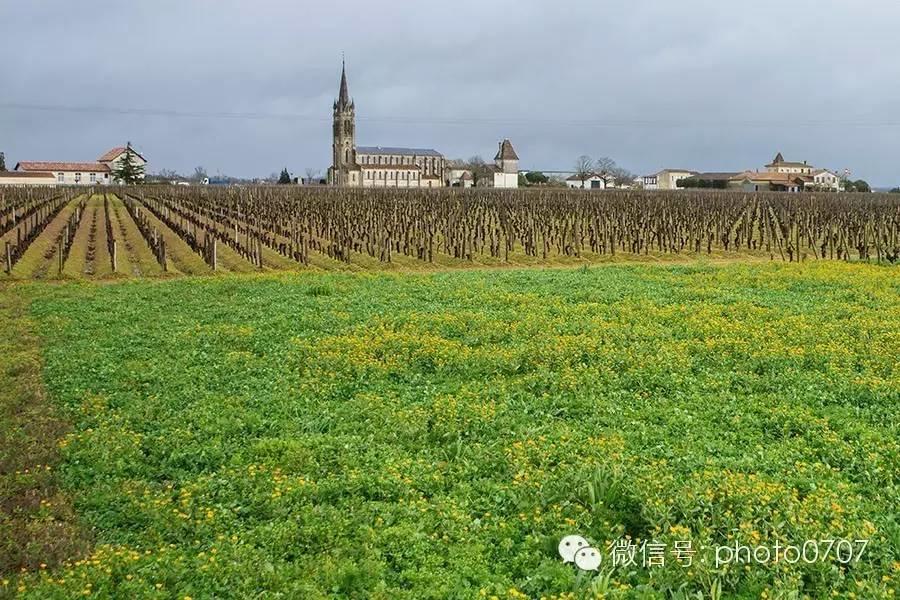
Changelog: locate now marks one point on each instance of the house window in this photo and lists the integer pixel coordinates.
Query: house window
(93, 178)
(60, 177)
(77, 177)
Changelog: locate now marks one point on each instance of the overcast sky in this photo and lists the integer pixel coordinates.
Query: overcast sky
(245, 88)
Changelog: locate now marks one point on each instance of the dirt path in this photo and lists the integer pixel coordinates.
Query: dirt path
(134, 255)
(38, 262)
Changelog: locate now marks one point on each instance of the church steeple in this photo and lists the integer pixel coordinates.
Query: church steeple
(344, 95)
(343, 165)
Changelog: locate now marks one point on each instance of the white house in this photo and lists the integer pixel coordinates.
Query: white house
(779, 165)
(21, 178)
(113, 158)
(459, 177)
(503, 174)
(823, 179)
(506, 173)
(650, 182)
(668, 179)
(591, 182)
(98, 172)
(69, 173)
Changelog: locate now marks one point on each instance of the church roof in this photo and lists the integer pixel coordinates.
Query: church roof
(506, 151)
(343, 100)
(378, 150)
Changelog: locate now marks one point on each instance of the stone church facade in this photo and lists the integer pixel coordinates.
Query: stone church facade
(376, 166)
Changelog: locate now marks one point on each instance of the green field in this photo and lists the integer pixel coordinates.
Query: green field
(434, 436)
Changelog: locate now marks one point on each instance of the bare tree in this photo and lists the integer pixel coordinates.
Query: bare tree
(199, 174)
(312, 175)
(479, 168)
(622, 176)
(584, 168)
(605, 168)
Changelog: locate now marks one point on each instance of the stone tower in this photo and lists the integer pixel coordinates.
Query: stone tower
(344, 170)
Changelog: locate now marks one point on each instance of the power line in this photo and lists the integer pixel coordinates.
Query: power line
(673, 123)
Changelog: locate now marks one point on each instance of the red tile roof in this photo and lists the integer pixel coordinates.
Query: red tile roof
(28, 174)
(81, 167)
(112, 154)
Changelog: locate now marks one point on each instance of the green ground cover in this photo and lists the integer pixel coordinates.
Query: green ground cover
(433, 436)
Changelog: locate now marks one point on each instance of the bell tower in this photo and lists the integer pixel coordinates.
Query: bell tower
(344, 169)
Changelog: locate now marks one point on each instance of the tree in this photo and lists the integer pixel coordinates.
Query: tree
(199, 174)
(622, 177)
(584, 168)
(605, 169)
(2, 162)
(862, 186)
(285, 177)
(536, 178)
(128, 171)
(312, 175)
(479, 168)
(896, 190)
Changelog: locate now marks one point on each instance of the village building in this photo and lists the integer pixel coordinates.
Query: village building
(825, 180)
(589, 182)
(22, 178)
(503, 174)
(99, 172)
(668, 179)
(506, 167)
(779, 165)
(376, 166)
(778, 176)
(458, 175)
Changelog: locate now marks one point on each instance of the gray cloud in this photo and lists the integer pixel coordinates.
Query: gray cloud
(708, 85)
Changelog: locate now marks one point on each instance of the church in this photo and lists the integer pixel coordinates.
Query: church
(376, 166)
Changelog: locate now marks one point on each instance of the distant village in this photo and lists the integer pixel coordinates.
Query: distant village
(402, 167)
(779, 175)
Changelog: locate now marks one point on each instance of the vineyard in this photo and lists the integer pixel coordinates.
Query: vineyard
(147, 231)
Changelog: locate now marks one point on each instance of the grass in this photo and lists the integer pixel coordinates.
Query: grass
(38, 528)
(434, 436)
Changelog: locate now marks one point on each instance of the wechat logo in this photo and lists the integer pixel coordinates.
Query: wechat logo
(576, 549)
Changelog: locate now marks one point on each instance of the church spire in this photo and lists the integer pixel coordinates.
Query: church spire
(344, 97)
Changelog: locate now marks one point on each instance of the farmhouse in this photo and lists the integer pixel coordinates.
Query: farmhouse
(590, 182)
(823, 179)
(21, 178)
(779, 165)
(98, 172)
(377, 166)
(503, 174)
(779, 176)
(506, 166)
(668, 179)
